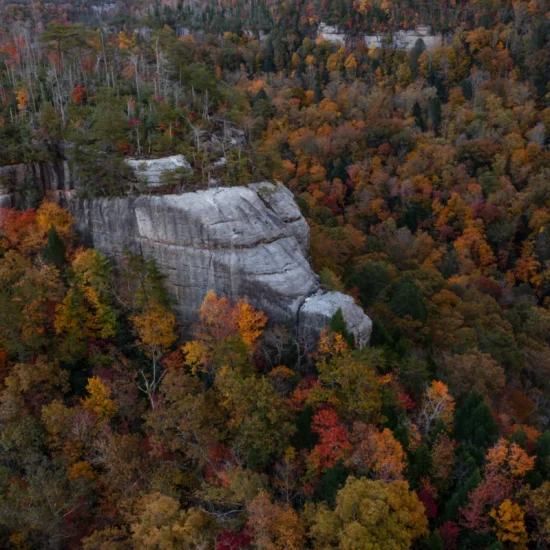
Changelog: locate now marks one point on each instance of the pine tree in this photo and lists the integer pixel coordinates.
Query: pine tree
(434, 112)
(417, 114)
(474, 423)
(338, 324)
(407, 300)
(54, 251)
(435, 542)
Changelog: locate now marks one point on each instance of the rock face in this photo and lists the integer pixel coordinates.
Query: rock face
(400, 40)
(151, 171)
(21, 182)
(243, 242)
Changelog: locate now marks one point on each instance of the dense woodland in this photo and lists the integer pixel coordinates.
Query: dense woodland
(425, 178)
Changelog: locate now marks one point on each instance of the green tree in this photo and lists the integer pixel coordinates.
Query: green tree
(351, 382)
(434, 113)
(417, 114)
(54, 251)
(372, 280)
(474, 423)
(407, 300)
(160, 523)
(258, 420)
(188, 419)
(338, 324)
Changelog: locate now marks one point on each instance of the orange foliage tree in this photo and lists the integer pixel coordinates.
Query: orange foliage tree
(376, 452)
(224, 334)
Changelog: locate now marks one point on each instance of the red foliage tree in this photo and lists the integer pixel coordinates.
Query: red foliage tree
(333, 439)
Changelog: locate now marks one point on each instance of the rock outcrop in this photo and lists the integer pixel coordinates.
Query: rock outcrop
(243, 242)
(399, 40)
(23, 185)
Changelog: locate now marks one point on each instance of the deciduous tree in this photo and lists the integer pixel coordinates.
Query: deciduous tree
(370, 514)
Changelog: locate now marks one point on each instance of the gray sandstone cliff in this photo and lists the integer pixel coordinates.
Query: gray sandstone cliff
(243, 242)
(37, 178)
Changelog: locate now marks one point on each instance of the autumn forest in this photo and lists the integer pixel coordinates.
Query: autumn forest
(424, 175)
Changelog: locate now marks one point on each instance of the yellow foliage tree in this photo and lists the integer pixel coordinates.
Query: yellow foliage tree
(250, 323)
(22, 97)
(474, 251)
(99, 401)
(93, 274)
(160, 523)
(508, 459)
(351, 65)
(331, 344)
(527, 267)
(370, 514)
(274, 527)
(156, 332)
(50, 214)
(81, 469)
(334, 61)
(510, 524)
(350, 383)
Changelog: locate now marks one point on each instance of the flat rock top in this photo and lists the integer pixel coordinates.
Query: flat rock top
(327, 303)
(225, 217)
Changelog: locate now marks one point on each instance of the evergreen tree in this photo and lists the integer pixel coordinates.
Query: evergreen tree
(338, 324)
(474, 423)
(417, 114)
(407, 300)
(460, 496)
(542, 451)
(54, 251)
(332, 481)
(420, 464)
(415, 54)
(434, 112)
(435, 542)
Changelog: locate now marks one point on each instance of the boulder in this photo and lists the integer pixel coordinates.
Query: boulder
(318, 310)
(151, 171)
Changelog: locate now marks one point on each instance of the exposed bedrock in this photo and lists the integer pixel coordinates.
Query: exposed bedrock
(243, 242)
